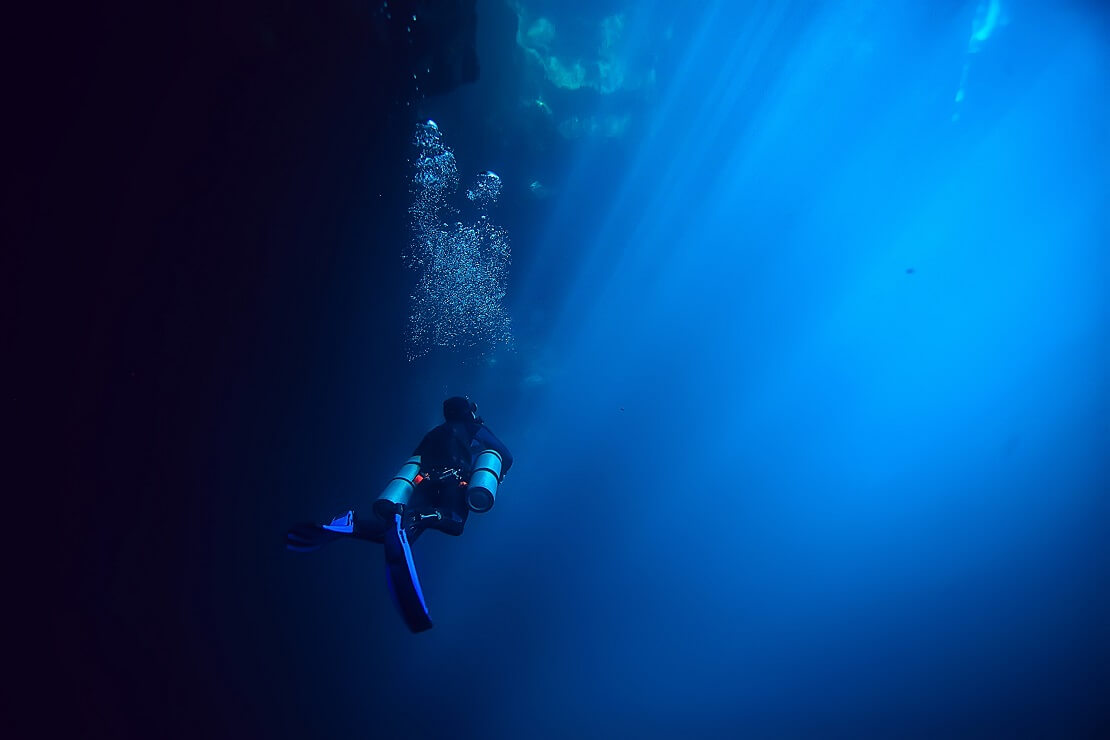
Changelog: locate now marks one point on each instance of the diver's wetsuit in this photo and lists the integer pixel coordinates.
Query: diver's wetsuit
(454, 445)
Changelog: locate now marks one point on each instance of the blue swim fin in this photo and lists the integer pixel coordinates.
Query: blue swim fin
(342, 524)
(400, 570)
(309, 537)
(400, 574)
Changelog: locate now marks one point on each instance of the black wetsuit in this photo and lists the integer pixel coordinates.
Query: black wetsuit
(454, 445)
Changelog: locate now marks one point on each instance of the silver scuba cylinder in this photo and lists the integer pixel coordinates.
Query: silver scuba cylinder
(481, 491)
(399, 490)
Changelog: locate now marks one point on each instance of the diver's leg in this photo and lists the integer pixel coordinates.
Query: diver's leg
(439, 510)
(446, 524)
(453, 511)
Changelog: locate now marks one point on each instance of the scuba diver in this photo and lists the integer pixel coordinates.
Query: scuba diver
(447, 458)
(456, 469)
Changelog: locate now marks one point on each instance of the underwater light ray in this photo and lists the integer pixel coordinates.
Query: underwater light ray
(715, 123)
(642, 169)
(618, 245)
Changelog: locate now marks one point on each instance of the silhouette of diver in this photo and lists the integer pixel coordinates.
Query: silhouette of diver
(455, 469)
(433, 489)
(448, 454)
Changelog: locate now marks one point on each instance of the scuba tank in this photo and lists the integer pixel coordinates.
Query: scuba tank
(399, 490)
(481, 490)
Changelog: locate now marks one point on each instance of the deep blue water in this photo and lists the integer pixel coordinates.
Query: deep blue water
(810, 400)
(808, 390)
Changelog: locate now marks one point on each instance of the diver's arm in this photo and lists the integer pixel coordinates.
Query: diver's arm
(489, 441)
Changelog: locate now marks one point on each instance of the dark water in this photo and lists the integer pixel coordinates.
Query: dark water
(808, 393)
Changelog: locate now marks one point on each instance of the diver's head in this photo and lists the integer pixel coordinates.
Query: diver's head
(460, 408)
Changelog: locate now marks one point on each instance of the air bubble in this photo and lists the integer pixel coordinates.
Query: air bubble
(462, 269)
